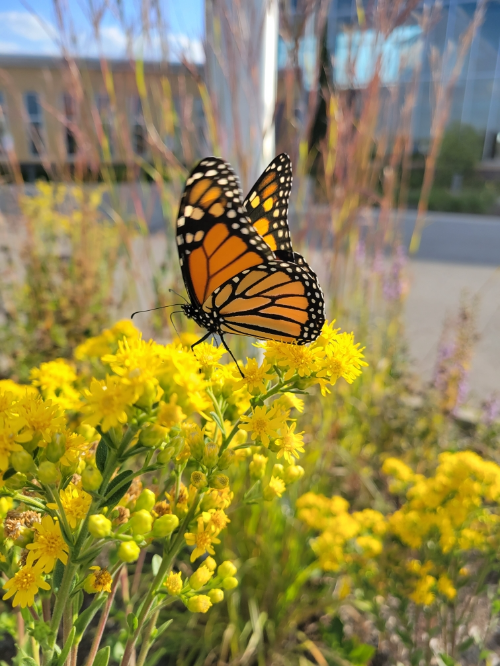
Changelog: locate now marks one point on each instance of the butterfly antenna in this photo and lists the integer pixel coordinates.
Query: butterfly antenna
(162, 307)
(232, 356)
(179, 295)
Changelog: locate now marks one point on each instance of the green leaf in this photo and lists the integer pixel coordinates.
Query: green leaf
(361, 654)
(86, 617)
(162, 628)
(156, 564)
(102, 657)
(132, 622)
(218, 421)
(117, 488)
(57, 576)
(10, 472)
(446, 659)
(28, 661)
(67, 647)
(466, 644)
(101, 455)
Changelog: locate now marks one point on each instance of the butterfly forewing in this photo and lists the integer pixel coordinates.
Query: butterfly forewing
(214, 237)
(267, 206)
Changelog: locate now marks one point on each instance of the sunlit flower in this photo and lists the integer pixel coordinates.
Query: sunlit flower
(8, 435)
(256, 376)
(262, 423)
(290, 443)
(202, 539)
(39, 417)
(170, 413)
(107, 341)
(174, 583)
(48, 546)
(77, 447)
(100, 580)
(343, 358)
(24, 585)
(216, 520)
(75, 502)
(208, 355)
(55, 379)
(106, 402)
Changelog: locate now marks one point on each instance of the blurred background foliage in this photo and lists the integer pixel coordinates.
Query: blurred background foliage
(80, 250)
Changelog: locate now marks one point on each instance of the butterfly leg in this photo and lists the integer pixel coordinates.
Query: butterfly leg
(231, 354)
(201, 340)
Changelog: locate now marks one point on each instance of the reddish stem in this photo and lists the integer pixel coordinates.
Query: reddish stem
(102, 622)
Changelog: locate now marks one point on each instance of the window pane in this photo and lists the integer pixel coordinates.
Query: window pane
(477, 103)
(487, 41)
(33, 105)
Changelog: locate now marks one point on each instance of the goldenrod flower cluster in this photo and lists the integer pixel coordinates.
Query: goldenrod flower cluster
(131, 445)
(420, 551)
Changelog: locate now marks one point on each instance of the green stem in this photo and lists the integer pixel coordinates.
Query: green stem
(63, 597)
(146, 639)
(168, 558)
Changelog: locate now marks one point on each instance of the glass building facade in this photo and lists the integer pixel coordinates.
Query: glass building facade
(409, 51)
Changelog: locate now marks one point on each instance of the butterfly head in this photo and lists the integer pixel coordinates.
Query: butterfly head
(199, 317)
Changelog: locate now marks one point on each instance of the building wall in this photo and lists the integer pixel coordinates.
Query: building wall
(80, 103)
(476, 97)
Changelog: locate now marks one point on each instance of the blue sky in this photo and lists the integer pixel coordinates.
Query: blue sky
(35, 32)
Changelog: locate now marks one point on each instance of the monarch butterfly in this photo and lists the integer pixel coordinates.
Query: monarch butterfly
(236, 258)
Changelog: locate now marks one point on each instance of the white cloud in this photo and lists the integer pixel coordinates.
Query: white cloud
(28, 26)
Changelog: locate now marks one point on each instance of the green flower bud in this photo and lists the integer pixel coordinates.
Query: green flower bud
(210, 454)
(148, 396)
(199, 480)
(32, 444)
(229, 583)
(91, 478)
(99, 526)
(196, 443)
(200, 603)
(153, 435)
(116, 435)
(278, 470)
(146, 500)
(47, 473)
(200, 577)
(21, 461)
(177, 443)
(165, 525)
(128, 551)
(17, 481)
(141, 522)
(56, 448)
(26, 536)
(165, 456)
(226, 569)
(258, 466)
(293, 473)
(216, 595)
(226, 459)
(218, 481)
(66, 470)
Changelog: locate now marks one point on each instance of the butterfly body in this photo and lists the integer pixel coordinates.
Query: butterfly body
(238, 265)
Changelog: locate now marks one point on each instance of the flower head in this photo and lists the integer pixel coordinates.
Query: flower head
(48, 546)
(263, 424)
(106, 402)
(24, 585)
(99, 580)
(202, 539)
(39, 417)
(256, 376)
(75, 502)
(216, 520)
(174, 583)
(208, 355)
(290, 443)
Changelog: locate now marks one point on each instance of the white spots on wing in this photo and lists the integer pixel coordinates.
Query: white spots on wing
(180, 240)
(235, 225)
(210, 173)
(222, 181)
(199, 235)
(187, 211)
(231, 213)
(245, 231)
(189, 238)
(197, 213)
(181, 222)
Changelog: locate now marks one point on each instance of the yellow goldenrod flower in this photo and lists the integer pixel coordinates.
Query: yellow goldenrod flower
(343, 358)
(290, 401)
(216, 520)
(55, 379)
(169, 413)
(18, 391)
(256, 376)
(422, 594)
(208, 356)
(106, 402)
(202, 539)
(76, 448)
(305, 361)
(263, 424)
(7, 402)
(24, 585)
(275, 488)
(217, 499)
(39, 417)
(174, 583)
(8, 435)
(200, 577)
(200, 603)
(290, 443)
(445, 586)
(328, 334)
(48, 546)
(100, 580)
(75, 503)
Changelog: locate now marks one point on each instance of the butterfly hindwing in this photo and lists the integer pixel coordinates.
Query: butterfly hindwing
(277, 300)
(267, 206)
(214, 237)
